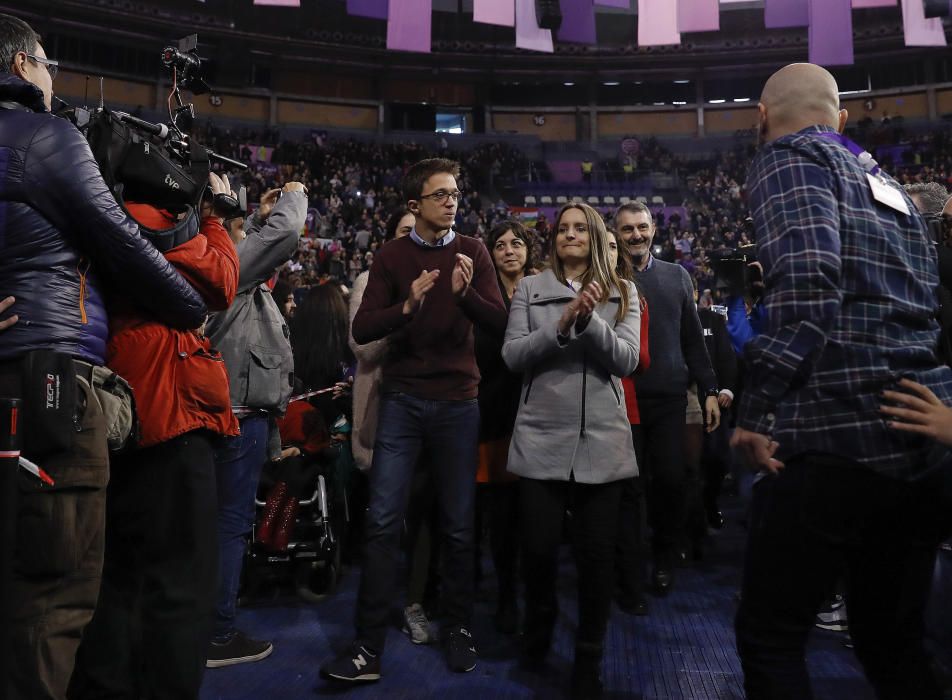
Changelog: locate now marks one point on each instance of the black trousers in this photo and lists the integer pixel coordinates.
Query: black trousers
(594, 529)
(632, 550)
(715, 463)
(662, 428)
(150, 634)
(57, 555)
(822, 515)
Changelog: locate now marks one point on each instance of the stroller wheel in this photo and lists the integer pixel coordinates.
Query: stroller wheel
(316, 580)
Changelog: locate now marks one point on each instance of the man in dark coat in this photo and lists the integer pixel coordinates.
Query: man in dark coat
(62, 238)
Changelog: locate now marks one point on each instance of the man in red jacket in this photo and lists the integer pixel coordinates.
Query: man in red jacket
(424, 294)
(152, 626)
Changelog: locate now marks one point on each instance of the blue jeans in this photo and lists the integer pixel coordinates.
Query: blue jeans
(445, 434)
(238, 464)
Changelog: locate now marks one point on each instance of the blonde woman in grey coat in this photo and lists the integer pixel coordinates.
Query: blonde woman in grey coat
(573, 331)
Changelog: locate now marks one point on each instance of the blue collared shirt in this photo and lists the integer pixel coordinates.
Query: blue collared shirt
(649, 265)
(444, 241)
(850, 306)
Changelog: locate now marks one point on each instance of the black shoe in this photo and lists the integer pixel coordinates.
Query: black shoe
(715, 519)
(357, 665)
(586, 678)
(662, 579)
(460, 651)
(637, 606)
(239, 649)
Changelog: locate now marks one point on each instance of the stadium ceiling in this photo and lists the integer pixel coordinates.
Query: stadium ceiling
(322, 36)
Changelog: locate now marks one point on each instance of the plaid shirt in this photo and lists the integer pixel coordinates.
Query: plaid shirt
(850, 301)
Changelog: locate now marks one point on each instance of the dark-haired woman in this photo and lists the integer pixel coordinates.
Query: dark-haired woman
(319, 335)
(510, 245)
(573, 330)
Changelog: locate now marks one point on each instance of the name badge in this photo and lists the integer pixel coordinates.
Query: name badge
(884, 194)
(708, 332)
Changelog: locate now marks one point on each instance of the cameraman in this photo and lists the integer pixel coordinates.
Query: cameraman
(63, 238)
(254, 342)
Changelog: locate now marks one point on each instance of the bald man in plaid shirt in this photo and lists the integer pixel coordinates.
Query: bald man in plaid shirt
(850, 276)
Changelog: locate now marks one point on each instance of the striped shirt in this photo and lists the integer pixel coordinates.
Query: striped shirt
(850, 306)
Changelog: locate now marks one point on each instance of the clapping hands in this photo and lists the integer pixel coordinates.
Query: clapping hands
(579, 310)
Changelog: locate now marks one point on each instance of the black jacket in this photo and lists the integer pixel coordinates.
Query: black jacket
(499, 389)
(719, 349)
(62, 237)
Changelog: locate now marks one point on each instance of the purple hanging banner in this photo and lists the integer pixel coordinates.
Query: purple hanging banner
(658, 23)
(528, 34)
(374, 9)
(779, 14)
(920, 31)
(831, 32)
(409, 25)
(278, 3)
(620, 4)
(858, 4)
(698, 16)
(499, 12)
(578, 22)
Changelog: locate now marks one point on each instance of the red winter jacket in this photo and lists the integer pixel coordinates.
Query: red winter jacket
(179, 381)
(644, 361)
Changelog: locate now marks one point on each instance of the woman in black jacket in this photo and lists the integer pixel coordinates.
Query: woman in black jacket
(511, 247)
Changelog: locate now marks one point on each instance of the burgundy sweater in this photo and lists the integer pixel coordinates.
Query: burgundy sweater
(431, 352)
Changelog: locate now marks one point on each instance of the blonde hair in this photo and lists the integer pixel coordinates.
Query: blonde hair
(600, 268)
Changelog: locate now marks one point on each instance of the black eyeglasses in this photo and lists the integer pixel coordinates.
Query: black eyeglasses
(442, 196)
(51, 66)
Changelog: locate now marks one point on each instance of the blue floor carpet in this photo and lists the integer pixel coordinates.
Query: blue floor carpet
(683, 649)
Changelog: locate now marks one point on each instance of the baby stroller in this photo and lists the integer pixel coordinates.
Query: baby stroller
(301, 511)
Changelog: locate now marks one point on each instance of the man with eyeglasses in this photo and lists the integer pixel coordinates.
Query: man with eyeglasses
(425, 293)
(62, 237)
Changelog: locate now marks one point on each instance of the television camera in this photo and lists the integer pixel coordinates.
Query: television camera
(156, 163)
(735, 269)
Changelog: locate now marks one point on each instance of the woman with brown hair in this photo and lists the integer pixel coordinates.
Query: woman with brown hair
(574, 329)
(510, 245)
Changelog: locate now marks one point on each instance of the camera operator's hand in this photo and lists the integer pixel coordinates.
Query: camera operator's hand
(7, 322)
(294, 187)
(219, 185)
(266, 203)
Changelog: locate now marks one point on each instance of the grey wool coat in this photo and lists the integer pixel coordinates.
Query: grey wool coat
(572, 410)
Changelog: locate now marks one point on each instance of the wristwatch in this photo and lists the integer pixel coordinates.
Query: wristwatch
(713, 392)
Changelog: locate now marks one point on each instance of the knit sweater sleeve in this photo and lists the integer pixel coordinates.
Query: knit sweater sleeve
(482, 302)
(381, 311)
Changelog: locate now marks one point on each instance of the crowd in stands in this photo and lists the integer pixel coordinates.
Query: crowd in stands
(353, 187)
